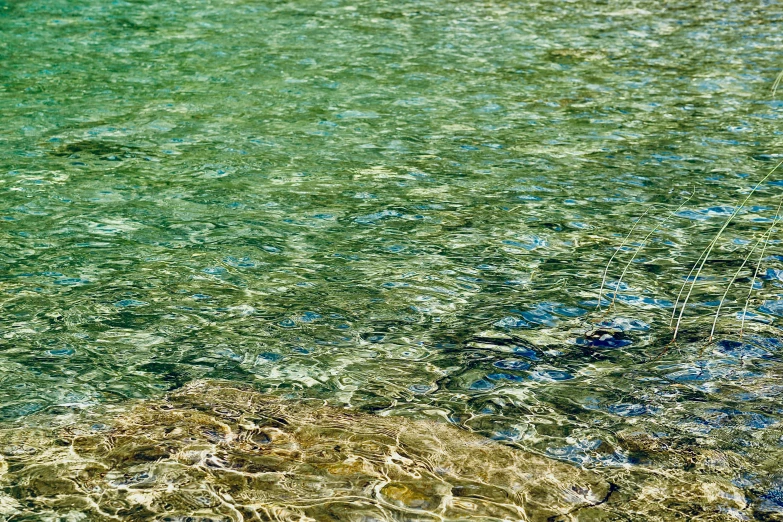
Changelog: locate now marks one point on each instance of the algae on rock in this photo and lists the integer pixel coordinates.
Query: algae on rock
(214, 450)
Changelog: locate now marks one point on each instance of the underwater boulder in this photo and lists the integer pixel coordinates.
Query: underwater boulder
(220, 452)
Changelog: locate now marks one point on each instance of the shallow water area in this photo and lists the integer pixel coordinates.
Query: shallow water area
(217, 451)
(212, 450)
(402, 209)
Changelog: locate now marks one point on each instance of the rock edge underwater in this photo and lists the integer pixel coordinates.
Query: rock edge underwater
(216, 451)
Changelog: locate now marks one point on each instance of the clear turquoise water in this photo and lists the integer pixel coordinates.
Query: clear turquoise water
(406, 208)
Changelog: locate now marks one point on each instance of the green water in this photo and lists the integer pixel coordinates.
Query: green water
(406, 208)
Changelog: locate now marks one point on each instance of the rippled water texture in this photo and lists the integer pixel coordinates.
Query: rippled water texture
(403, 209)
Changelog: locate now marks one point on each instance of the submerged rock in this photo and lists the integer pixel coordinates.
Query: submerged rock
(214, 451)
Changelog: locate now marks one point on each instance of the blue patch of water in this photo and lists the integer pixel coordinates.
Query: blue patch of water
(481, 385)
(551, 375)
(129, 303)
(773, 274)
(736, 349)
(309, 317)
(512, 364)
(689, 374)
(61, 352)
(505, 377)
(624, 324)
(772, 308)
(370, 219)
(524, 351)
(511, 322)
(629, 409)
(267, 357)
(605, 341)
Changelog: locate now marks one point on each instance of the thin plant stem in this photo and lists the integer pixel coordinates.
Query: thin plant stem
(706, 254)
(777, 84)
(758, 265)
(617, 250)
(731, 282)
(643, 243)
(682, 288)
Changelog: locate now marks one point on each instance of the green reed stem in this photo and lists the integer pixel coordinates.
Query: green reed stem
(766, 236)
(617, 250)
(643, 243)
(707, 251)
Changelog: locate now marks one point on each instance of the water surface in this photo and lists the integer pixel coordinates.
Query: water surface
(406, 208)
